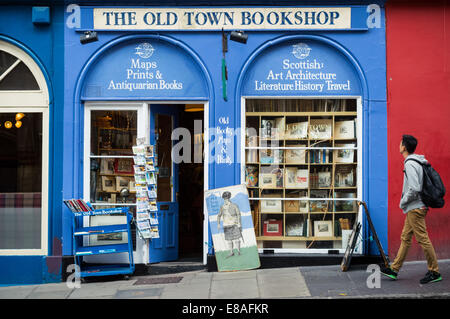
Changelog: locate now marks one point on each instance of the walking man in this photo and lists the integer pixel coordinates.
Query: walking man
(415, 211)
(232, 227)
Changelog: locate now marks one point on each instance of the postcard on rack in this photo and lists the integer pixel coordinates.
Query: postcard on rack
(142, 205)
(140, 179)
(139, 159)
(154, 219)
(139, 169)
(142, 215)
(139, 149)
(143, 224)
(150, 178)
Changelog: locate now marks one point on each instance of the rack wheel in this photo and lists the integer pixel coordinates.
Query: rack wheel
(126, 277)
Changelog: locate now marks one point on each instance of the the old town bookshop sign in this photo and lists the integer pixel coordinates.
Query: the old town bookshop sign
(216, 18)
(145, 68)
(301, 68)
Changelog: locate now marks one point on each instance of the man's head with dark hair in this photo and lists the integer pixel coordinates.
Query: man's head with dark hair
(408, 144)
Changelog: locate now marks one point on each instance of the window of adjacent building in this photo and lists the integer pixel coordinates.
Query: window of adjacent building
(23, 153)
(302, 170)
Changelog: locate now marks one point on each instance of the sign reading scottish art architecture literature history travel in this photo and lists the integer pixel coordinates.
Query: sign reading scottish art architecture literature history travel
(306, 67)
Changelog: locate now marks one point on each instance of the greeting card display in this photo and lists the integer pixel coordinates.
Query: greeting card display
(146, 191)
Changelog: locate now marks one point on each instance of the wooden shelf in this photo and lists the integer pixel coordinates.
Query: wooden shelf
(287, 238)
(255, 121)
(305, 114)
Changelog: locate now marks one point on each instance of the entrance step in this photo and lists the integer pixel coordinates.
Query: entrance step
(297, 260)
(171, 267)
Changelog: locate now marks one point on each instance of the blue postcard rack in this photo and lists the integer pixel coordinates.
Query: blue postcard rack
(80, 251)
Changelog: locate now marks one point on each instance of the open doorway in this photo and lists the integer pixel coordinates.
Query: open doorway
(191, 187)
(180, 181)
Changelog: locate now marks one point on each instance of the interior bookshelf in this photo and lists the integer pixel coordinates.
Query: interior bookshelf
(113, 133)
(301, 170)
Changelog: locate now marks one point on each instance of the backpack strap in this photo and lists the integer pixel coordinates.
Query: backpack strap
(415, 160)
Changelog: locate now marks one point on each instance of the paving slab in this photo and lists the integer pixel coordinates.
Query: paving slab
(55, 294)
(234, 289)
(93, 291)
(16, 292)
(234, 275)
(286, 285)
(330, 281)
(138, 293)
(191, 291)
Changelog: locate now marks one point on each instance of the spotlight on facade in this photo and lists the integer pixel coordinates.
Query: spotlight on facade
(88, 37)
(239, 36)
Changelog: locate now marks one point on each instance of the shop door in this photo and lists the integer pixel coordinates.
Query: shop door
(163, 119)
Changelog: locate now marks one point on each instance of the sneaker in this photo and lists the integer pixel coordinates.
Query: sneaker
(388, 272)
(431, 276)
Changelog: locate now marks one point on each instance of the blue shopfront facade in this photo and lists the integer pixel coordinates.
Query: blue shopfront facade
(34, 35)
(150, 59)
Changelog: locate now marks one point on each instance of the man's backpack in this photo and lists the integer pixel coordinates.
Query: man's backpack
(433, 189)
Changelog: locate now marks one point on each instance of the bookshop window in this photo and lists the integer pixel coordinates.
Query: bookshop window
(301, 170)
(113, 134)
(21, 183)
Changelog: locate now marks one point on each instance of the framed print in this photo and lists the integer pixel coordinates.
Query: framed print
(107, 166)
(267, 128)
(122, 182)
(295, 156)
(268, 180)
(323, 228)
(291, 206)
(303, 206)
(291, 177)
(251, 176)
(132, 186)
(302, 178)
(108, 184)
(270, 206)
(273, 227)
(297, 130)
(344, 129)
(344, 155)
(320, 129)
(123, 166)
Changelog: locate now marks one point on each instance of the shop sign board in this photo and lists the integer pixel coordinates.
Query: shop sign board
(227, 18)
(145, 68)
(301, 67)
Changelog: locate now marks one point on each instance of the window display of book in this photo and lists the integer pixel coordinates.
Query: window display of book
(297, 164)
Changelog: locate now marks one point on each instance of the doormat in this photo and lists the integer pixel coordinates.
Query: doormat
(161, 280)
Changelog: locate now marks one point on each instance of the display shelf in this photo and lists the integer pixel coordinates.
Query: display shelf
(287, 238)
(82, 248)
(322, 144)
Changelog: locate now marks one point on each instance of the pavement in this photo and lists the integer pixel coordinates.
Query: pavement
(314, 282)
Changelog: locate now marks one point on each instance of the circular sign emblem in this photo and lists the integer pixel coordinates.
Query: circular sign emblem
(301, 50)
(145, 50)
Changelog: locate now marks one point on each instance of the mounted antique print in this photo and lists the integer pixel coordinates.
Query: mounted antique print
(231, 224)
(320, 129)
